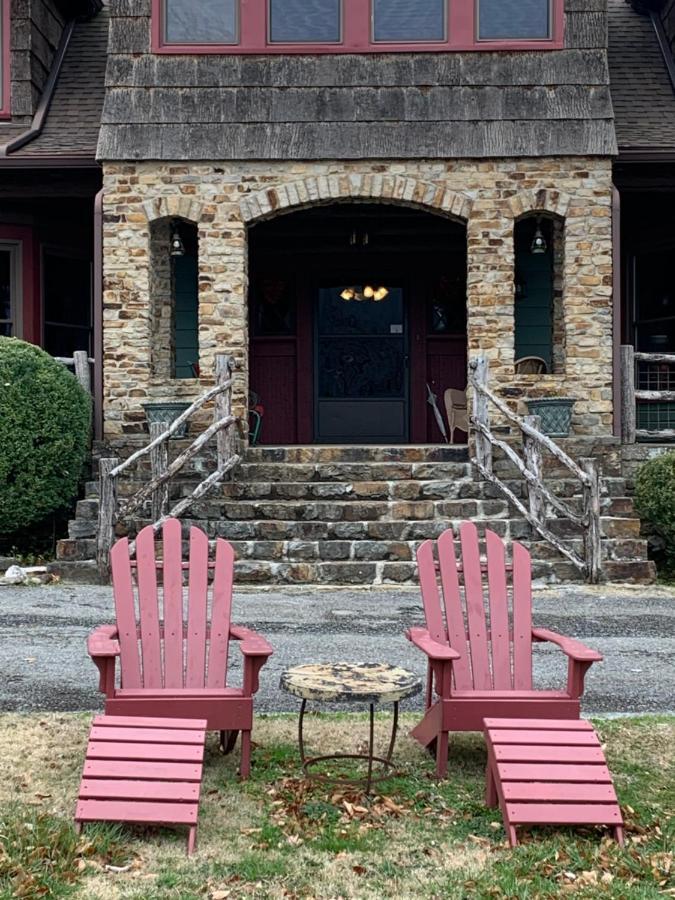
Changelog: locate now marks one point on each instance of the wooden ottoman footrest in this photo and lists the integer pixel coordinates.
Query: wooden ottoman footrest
(143, 770)
(549, 772)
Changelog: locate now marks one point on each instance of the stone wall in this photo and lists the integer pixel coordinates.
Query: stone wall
(225, 198)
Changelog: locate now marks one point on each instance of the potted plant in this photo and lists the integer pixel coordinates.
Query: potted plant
(555, 414)
(167, 412)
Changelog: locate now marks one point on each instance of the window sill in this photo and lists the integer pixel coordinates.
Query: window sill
(310, 49)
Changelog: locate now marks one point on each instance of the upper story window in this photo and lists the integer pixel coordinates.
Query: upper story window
(355, 26)
(4, 59)
(524, 20)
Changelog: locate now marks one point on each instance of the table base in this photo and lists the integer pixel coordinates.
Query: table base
(370, 779)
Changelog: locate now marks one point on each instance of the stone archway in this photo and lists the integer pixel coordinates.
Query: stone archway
(317, 190)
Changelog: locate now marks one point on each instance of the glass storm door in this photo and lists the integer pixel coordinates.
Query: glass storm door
(361, 384)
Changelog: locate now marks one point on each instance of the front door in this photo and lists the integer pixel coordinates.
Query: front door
(361, 365)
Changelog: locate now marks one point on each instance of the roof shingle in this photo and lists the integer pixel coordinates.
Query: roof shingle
(643, 96)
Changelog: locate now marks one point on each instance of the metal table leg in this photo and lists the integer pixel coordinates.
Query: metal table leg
(370, 757)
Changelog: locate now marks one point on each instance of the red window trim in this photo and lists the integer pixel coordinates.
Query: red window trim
(30, 280)
(356, 37)
(5, 62)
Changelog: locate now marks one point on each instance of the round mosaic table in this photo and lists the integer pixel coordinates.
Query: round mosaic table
(371, 683)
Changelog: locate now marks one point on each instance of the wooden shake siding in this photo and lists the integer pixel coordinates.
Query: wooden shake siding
(403, 105)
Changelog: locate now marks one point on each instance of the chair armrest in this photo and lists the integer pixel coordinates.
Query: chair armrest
(436, 651)
(103, 642)
(574, 649)
(251, 643)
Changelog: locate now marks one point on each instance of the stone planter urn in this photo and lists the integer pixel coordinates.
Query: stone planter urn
(166, 413)
(555, 414)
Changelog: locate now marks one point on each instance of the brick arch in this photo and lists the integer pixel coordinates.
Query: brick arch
(175, 206)
(545, 200)
(317, 190)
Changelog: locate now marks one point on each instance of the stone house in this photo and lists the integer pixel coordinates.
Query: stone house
(352, 199)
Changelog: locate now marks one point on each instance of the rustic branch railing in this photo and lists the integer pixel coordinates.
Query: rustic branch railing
(530, 467)
(632, 395)
(157, 489)
(79, 362)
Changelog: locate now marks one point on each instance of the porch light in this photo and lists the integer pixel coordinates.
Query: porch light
(177, 245)
(539, 244)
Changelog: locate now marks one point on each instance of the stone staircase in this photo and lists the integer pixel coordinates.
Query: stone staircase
(355, 515)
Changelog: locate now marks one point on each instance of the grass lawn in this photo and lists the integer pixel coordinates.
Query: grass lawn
(279, 837)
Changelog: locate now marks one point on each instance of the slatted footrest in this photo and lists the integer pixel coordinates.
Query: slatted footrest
(549, 772)
(143, 770)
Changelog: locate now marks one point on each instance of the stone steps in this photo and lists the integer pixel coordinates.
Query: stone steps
(356, 515)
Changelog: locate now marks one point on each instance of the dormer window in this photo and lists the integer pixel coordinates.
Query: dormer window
(501, 20)
(355, 26)
(297, 21)
(395, 21)
(205, 22)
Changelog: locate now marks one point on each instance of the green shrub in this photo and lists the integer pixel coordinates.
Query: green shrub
(655, 500)
(44, 435)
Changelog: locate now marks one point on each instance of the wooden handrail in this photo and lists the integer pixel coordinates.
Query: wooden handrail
(531, 469)
(172, 428)
(631, 395)
(157, 488)
(527, 429)
(79, 362)
(176, 466)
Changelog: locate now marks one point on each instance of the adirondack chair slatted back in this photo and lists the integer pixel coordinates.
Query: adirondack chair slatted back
(164, 641)
(493, 638)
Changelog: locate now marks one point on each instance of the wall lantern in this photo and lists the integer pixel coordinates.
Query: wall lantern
(177, 245)
(539, 244)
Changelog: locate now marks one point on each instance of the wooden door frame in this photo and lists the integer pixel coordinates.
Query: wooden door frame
(29, 280)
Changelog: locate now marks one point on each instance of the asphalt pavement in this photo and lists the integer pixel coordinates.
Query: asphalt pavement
(44, 663)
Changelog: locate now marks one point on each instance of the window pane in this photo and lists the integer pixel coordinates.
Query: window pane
(206, 22)
(5, 285)
(409, 20)
(514, 19)
(294, 21)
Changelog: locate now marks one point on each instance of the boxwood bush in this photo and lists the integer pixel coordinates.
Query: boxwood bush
(655, 501)
(44, 435)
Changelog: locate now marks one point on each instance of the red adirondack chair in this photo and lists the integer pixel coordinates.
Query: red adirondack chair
(480, 661)
(173, 656)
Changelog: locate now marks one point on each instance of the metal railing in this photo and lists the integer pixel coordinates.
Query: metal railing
(530, 467)
(156, 490)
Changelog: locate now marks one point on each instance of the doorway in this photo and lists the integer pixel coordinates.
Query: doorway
(361, 365)
(354, 309)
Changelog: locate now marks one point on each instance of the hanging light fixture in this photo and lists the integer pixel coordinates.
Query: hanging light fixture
(539, 244)
(177, 245)
(376, 294)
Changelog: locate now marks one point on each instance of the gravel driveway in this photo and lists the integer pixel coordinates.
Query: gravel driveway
(44, 664)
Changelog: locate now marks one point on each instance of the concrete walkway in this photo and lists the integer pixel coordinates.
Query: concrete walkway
(44, 664)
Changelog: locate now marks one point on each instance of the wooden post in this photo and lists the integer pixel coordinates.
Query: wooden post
(628, 406)
(226, 438)
(533, 462)
(592, 536)
(481, 411)
(159, 460)
(82, 373)
(107, 506)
